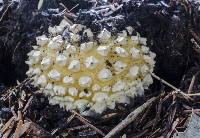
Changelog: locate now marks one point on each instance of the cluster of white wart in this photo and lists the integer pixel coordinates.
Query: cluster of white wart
(93, 75)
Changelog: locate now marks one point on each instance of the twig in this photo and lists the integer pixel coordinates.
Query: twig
(70, 15)
(85, 121)
(194, 94)
(159, 109)
(68, 20)
(191, 110)
(74, 112)
(73, 7)
(109, 116)
(17, 130)
(13, 112)
(69, 119)
(130, 118)
(8, 125)
(19, 112)
(175, 123)
(61, 4)
(27, 104)
(191, 85)
(165, 82)
(5, 11)
(171, 86)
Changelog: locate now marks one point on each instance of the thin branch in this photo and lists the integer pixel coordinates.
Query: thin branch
(194, 94)
(171, 86)
(27, 104)
(191, 85)
(73, 7)
(130, 118)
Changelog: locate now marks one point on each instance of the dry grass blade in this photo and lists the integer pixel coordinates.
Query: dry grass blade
(130, 118)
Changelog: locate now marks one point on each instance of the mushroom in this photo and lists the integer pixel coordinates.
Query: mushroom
(96, 74)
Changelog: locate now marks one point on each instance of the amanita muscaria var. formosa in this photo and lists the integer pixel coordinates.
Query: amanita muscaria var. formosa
(90, 71)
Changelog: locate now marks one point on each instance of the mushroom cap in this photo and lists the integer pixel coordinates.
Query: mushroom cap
(95, 74)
